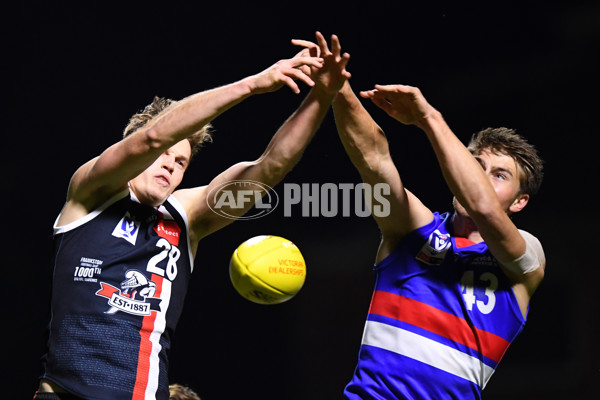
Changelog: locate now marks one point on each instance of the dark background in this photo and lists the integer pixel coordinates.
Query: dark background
(75, 73)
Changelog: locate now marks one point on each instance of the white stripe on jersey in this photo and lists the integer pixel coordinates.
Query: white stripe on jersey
(177, 205)
(159, 327)
(428, 351)
(74, 224)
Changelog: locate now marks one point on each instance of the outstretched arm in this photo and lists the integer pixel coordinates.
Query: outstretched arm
(100, 178)
(285, 148)
(366, 145)
(463, 174)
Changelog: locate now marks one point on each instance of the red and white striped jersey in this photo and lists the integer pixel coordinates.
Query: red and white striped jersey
(441, 317)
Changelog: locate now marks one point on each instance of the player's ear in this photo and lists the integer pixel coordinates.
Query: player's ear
(519, 203)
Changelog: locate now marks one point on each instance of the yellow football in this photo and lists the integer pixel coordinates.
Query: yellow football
(267, 269)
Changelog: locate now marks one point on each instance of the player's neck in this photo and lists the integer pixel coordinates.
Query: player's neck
(465, 227)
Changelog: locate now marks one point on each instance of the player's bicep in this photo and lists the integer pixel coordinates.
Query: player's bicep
(110, 172)
(83, 194)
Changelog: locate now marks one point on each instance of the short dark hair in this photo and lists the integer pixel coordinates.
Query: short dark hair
(507, 141)
(158, 105)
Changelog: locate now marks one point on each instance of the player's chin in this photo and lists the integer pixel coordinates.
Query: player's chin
(162, 192)
(158, 197)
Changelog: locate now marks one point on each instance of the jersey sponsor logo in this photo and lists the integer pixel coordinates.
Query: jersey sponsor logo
(484, 260)
(434, 250)
(168, 230)
(127, 229)
(135, 295)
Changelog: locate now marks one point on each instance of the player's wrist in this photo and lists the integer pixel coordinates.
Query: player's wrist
(431, 119)
(250, 85)
(325, 92)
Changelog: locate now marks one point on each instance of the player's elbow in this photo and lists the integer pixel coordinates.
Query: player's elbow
(483, 208)
(374, 164)
(533, 279)
(153, 140)
(372, 159)
(481, 212)
(540, 272)
(274, 169)
(370, 164)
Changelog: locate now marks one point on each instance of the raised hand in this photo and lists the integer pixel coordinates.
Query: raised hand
(286, 72)
(403, 103)
(332, 75)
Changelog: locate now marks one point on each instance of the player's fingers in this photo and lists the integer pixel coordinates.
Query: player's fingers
(304, 43)
(382, 103)
(387, 88)
(336, 47)
(299, 75)
(322, 44)
(367, 94)
(312, 47)
(290, 82)
(344, 61)
(397, 89)
(302, 53)
(311, 61)
(305, 69)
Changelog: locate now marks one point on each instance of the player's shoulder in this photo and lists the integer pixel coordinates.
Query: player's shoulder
(75, 213)
(194, 202)
(189, 197)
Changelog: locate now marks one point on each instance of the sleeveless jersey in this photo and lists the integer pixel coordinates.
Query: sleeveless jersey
(441, 317)
(120, 278)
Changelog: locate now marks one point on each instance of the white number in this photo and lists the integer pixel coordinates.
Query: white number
(487, 308)
(164, 243)
(172, 263)
(168, 250)
(466, 283)
(84, 272)
(468, 291)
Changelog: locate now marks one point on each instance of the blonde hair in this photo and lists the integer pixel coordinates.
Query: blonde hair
(158, 105)
(181, 392)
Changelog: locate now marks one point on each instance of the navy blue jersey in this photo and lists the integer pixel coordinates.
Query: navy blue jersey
(121, 274)
(442, 316)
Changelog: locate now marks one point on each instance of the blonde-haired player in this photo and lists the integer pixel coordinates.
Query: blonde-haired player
(123, 217)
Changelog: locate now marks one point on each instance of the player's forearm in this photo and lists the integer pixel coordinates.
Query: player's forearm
(287, 146)
(190, 114)
(363, 140)
(126, 159)
(463, 174)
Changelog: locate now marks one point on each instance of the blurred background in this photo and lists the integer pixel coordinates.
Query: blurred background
(75, 73)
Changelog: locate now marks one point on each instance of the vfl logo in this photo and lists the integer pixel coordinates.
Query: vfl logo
(135, 295)
(439, 242)
(434, 251)
(230, 198)
(127, 229)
